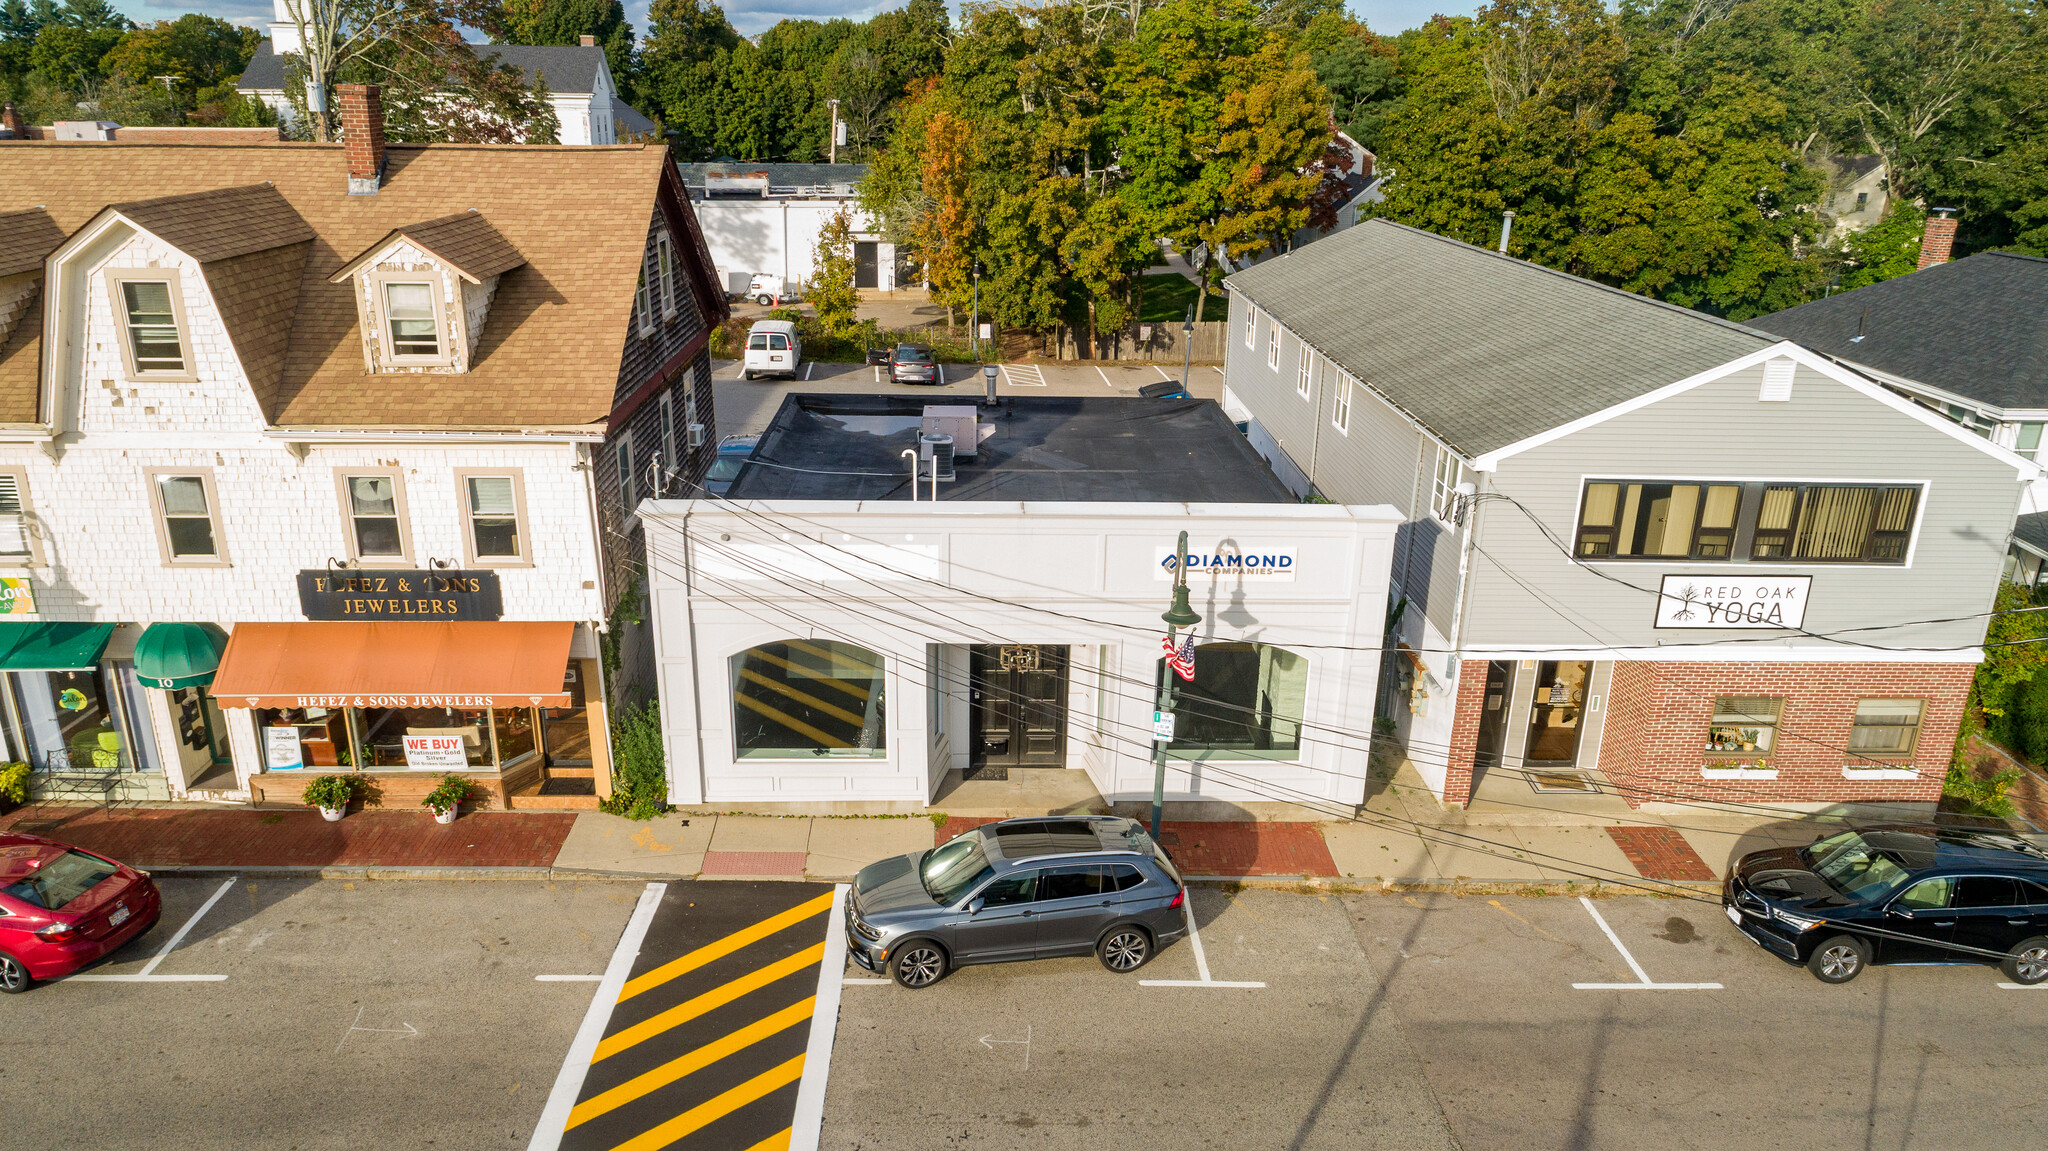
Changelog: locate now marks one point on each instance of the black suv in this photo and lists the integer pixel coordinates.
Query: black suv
(1017, 889)
(1897, 895)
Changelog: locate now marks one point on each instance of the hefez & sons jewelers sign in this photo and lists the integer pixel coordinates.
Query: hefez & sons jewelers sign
(1752, 602)
(400, 595)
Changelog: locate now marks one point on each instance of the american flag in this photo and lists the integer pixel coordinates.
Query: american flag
(1181, 659)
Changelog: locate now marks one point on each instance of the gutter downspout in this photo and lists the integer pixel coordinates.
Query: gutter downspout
(696, 688)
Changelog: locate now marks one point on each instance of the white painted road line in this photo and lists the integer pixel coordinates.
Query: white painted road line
(1162, 373)
(568, 978)
(554, 1118)
(147, 974)
(2024, 986)
(808, 367)
(185, 930)
(1023, 375)
(1104, 375)
(1187, 909)
(869, 982)
(1644, 976)
(144, 978)
(810, 1090)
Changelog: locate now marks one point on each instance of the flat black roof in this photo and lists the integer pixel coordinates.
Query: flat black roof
(1104, 449)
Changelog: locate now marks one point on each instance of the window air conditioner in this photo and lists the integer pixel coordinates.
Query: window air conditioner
(696, 435)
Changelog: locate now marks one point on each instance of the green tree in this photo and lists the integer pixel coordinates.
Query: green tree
(70, 55)
(200, 51)
(685, 54)
(831, 289)
(566, 22)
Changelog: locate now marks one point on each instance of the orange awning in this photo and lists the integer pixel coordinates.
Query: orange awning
(395, 665)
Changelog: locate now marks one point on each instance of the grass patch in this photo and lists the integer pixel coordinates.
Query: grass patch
(1168, 296)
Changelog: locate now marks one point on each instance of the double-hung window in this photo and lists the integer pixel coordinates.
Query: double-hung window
(1251, 325)
(188, 527)
(668, 445)
(2027, 440)
(1886, 728)
(1273, 346)
(1708, 521)
(412, 320)
(1443, 489)
(664, 262)
(1340, 405)
(493, 506)
(17, 540)
(628, 493)
(374, 504)
(1305, 374)
(151, 314)
(643, 305)
(1744, 726)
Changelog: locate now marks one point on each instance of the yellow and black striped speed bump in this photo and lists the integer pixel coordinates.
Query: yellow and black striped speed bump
(706, 1044)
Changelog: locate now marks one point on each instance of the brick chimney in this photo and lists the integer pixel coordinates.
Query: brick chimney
(587, 41)
(11, 127)
(1938, 240)
(362, 132)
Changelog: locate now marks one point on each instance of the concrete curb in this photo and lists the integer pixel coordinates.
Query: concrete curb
(1359, 885)
(203, 871)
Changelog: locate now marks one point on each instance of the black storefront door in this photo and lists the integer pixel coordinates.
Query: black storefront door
(866, 271)
(1018, 708)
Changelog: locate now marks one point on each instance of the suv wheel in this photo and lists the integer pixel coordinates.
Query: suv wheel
(917, 964)
(1124, 949)
(14, 978)
(2027, 964)
(1839, 959)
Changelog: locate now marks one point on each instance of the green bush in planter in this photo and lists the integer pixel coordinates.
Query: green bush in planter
(329, 791)
(14, 783)
(450, 792)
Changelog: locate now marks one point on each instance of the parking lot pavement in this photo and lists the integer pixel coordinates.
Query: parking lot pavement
(351, 1015)
(706, 1044)
(745, 406)
(1063, 1053)
(1520, 1057)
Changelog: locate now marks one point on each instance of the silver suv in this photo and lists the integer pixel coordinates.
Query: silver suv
(1019, 889)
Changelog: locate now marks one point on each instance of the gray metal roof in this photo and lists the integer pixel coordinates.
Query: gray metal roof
(2031, 530)
(570, 69)
(1977, 327)
(1481, 349)
(1092, 449)
(779, 175)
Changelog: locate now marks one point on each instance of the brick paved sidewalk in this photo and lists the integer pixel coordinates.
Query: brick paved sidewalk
(1234, 848)
(158, 837)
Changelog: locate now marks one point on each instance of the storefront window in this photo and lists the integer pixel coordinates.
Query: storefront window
(515, 733)
(382, 732)
(1886, 727)
(804, 698)
(1246, 701)
(1744, 725)
(322, 737)
(66, 720)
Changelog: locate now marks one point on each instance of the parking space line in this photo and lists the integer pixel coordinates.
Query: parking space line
(692, 1062)
(810, 1093)
(1023, 375)
(724, 947)
(2023, 986)
(1187, 908)
(808, 367)
(567, 978)
(554, 1118)
(1104, 375)
(871, 982)
(716, 997)
(1162, 373)
(1645, 984)
(148, 972)
(716, 1108)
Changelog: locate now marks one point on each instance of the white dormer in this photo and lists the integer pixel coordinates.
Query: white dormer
(423, 293)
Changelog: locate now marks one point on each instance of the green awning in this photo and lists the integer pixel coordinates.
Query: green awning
(173, 655)
(52, 646)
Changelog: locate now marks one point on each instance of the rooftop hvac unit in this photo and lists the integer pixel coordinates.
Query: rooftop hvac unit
(955, 420)
(936, 451)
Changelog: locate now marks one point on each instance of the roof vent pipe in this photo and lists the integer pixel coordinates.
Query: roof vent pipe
(1507, 225)
(911, 455)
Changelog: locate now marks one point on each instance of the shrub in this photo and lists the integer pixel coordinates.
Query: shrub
(329, 791)
(1980, 796)
(450, 792)
(14, 782)
(639, 769)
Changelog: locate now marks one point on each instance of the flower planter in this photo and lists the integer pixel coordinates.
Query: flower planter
(332, 814)
(445, 814)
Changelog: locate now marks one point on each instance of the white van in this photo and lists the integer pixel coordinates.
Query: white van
(773, 349)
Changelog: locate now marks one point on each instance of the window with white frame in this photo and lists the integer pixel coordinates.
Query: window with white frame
(1443, 491)
(1305, 374)
(148, 306)
(642, 303)
(668, 441)
(374, 505)
(493, 506)
(664, 262)
(628, 496)
(1340, 405)
(411, 319)
(2027, 440)
(17, 541)
(1251, 326)
(188, 525)
(1273, 346)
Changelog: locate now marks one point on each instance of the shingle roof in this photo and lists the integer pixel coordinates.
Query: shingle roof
(570, 69)
(629, 118)
(465, 241)
(26, 237)
(1977, 328)
(550, 352)
(1481, 349)
(2032, 530)
(221, 222)
(780, 175)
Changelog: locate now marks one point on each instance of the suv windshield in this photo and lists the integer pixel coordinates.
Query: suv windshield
(909, 355)
(60, 881)
(953, 869)
(725, 467)
(1853, 866)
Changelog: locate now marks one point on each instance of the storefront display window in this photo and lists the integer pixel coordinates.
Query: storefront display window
(382, 732)
(65, 720)
(1245, 702)
(514, 727)
(1744, 726)
(804, 698)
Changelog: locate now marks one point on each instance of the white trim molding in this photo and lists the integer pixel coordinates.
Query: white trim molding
(1880, 773)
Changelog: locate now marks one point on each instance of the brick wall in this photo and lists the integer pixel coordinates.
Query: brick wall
(1658, 714)
(1465, 731)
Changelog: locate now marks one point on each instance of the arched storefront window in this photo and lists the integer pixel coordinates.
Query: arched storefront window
(1245, 702)
(808, 697)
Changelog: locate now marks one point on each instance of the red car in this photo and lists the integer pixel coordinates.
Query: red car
(62, 908)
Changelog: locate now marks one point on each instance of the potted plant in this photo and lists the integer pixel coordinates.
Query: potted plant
(329, 793)
(13, 785)
(447, 797)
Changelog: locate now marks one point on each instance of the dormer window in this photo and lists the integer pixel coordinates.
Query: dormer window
(148, 307)
(412, 319)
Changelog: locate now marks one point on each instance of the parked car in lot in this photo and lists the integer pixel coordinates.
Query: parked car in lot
(1897, 895)
(773, 349)
(913, 364)
(62, 908)
(725, 467)
(1028, 888)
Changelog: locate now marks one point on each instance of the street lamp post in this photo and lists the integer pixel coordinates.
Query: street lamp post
(1178, 615)
(1187, 345)
(974, 322)
(832, 144)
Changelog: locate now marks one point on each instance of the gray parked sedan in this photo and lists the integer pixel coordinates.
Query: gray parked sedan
(1020, 889)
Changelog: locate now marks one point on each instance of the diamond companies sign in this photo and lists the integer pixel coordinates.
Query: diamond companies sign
(1749, 602)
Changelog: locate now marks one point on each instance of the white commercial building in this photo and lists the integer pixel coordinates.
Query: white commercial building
(765, 219)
